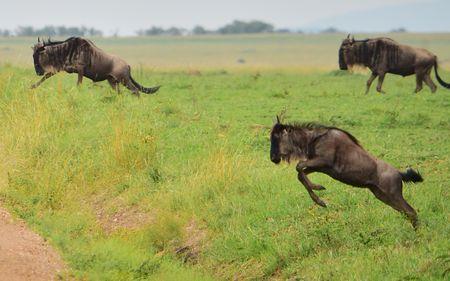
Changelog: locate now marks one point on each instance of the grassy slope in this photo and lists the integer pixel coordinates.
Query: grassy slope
(196, 154)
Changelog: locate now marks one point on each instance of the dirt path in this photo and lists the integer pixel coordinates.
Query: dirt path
(24, 255)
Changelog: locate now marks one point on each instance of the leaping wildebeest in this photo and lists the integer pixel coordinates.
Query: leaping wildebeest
(338, 154)
(384, 55)
(79, 55)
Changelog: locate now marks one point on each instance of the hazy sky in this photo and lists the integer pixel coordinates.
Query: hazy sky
(127, 16)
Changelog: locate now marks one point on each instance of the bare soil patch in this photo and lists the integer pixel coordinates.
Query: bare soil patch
(24, 255)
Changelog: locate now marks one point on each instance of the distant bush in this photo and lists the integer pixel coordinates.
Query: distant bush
(399, 30)
(239, 27)
(331, 30)
(199, 30)
(283, 30)
(57, 31)
(5, 33)
(155, 30)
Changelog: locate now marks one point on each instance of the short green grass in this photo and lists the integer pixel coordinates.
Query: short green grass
(179, 185)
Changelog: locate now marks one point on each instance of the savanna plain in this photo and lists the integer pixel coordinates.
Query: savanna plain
(179, 185)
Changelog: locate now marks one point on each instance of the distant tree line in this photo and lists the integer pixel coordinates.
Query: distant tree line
(236, 27)
(154, 30)
(51, 30)
(5, 33)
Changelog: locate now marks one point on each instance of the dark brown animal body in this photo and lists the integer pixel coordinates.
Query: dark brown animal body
(79, 55)
(384, 55)
(337, 153)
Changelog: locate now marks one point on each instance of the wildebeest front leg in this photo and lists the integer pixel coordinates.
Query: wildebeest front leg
(369, 82)
(309, 165)
(80, 72)
(314, 186)
(45, 77)
(380, 83)
(305, 181)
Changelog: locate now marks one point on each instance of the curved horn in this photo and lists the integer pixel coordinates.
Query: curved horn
(278, 119)
(39, 40)
(348, 36)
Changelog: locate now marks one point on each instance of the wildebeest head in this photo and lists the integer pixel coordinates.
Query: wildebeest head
(280, 143)
(344, 51)
(39, 57)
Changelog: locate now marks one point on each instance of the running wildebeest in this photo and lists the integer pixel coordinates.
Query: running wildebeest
(384, 55)
(338, 154)
(79, 55)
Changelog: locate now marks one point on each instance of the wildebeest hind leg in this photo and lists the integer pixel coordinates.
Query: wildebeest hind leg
(430, 83)
(369, 82)
(305, 181)
(131, 87)
(114, 84)
(397, 202)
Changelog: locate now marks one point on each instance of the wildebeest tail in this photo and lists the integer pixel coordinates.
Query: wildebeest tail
(144, 89)
(411, 176)
(442, 82)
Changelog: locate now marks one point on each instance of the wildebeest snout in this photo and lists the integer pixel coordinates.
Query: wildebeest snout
(275, 159)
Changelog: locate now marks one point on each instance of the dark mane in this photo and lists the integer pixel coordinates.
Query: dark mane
(52, 43)
(372, 52)
(312, 126)
(384, 50)
(68, 52)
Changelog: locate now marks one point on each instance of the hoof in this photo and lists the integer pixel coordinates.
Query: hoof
(321, 203)
(319, 187)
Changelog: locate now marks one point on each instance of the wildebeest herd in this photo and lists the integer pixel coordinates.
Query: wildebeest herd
(316, 148)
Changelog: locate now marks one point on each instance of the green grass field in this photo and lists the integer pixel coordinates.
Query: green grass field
(179, 185)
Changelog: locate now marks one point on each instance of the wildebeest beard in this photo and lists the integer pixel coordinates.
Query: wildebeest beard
(342, 63)
(37, 65)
